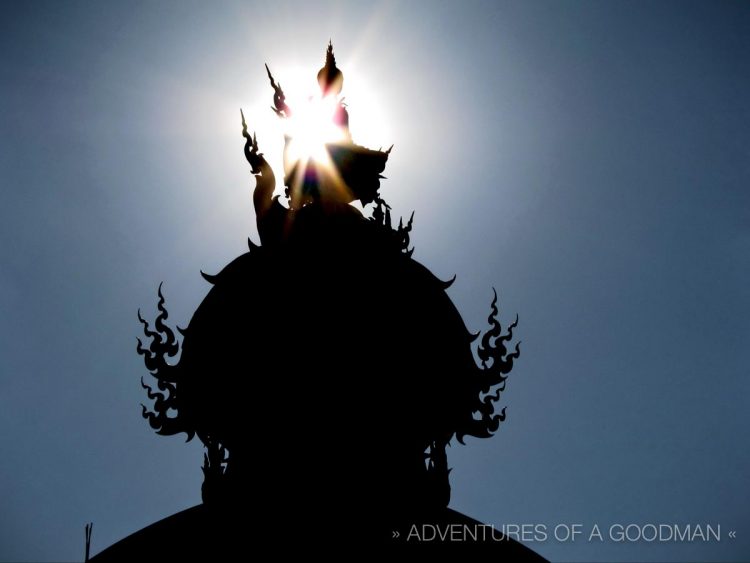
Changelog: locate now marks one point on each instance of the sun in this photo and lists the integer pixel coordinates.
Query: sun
(318, 143)
(311, 127)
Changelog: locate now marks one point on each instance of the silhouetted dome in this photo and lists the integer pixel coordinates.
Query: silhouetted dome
(326, 371)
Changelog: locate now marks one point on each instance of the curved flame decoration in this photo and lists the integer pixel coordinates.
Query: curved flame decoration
(163, 345)
(381, 216)
(496, 363)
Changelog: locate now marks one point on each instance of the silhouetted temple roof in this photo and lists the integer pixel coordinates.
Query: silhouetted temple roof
(199, 534)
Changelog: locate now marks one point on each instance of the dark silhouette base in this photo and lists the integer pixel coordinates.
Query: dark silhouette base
(203, 534)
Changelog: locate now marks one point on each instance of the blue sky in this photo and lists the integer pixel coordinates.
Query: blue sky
(590, 160)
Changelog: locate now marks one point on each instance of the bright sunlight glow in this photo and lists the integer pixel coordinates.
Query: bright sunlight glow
(311, 127)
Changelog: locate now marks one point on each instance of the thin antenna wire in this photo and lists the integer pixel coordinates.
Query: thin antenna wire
(88, 528)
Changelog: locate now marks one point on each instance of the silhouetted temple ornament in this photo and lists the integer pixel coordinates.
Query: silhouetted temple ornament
(325, 372)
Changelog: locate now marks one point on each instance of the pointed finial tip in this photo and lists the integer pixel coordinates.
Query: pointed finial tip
(330, 57)
(330, 78)
(244, 123)
(270, 76)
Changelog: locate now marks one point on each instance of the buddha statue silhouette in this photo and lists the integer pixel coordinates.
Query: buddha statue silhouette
(326, 370)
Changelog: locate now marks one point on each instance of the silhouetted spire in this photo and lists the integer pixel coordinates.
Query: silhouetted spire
(330, 78)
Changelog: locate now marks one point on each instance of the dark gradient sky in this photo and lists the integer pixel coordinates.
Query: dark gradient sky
(590, 160)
